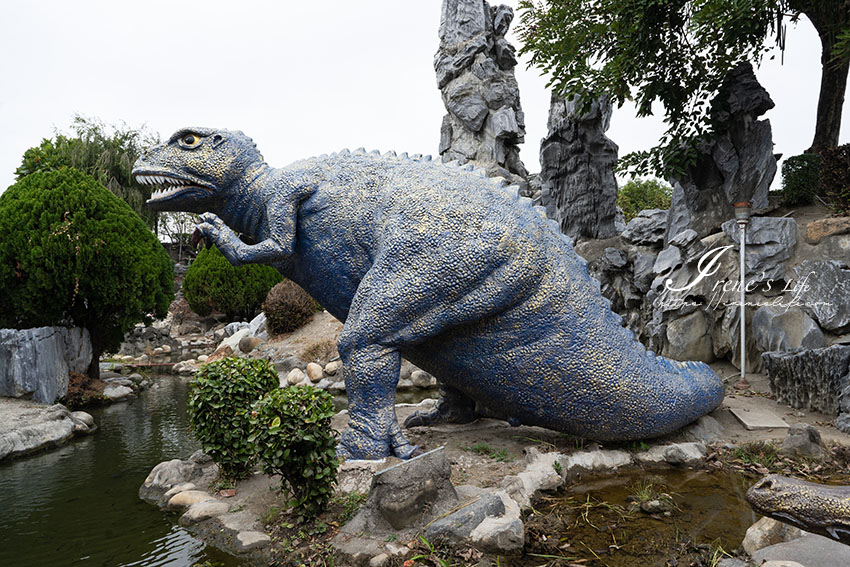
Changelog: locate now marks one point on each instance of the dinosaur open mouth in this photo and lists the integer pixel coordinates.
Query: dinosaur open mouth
(168, 187)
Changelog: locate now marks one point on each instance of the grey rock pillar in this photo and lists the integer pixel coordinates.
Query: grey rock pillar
(474, 66)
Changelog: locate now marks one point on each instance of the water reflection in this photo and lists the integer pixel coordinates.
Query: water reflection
(79, 504)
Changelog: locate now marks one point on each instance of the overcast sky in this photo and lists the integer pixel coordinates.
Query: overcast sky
(301, 78)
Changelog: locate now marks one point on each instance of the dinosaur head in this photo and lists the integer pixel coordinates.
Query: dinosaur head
(195, 168)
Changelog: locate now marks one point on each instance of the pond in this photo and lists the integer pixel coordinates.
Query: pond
(79, 504)
(599, 523)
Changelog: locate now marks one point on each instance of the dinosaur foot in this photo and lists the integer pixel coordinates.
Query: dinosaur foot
(452, 407)
(355, 444)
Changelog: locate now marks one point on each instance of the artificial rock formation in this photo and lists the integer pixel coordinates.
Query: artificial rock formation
(736, 164)
(577, 159)
(474, 66)
(34, 363)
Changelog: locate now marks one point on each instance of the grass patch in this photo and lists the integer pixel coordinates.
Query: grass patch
(483, 449)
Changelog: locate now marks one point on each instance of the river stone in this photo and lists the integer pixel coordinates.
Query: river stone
(332, 367)
(248, 540)
(187, 498)
(117, 392)
(647, 228)
(168, 474)
(421, 379)
(295, 376)
(458, 525)
(249, 343)
(203, 510)
(499, 535)
(314, 372)
(84, 417)
(770, 243)
(768, 531)
(823, 288)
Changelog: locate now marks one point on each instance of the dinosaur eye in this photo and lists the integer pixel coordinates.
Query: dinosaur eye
(190, 141)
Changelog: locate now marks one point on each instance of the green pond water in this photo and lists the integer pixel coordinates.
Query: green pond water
(591, 523)
(79, 504)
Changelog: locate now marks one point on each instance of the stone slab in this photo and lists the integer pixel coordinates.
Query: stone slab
(757, 418)
(810, 550)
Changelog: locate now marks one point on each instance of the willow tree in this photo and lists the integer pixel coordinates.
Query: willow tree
(676, 53)
(107, 153)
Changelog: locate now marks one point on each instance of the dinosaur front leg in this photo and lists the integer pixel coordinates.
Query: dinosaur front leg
(232, 247)
(371, 376)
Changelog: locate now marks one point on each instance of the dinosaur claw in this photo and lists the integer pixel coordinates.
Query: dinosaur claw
(197, 237)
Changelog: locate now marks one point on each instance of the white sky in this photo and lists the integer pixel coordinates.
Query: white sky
(301, 78)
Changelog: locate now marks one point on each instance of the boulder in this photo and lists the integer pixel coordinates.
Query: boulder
(819, 229)
(647, 228)
(578, 187)
(822, 289)
(770, 243)
(803, 440)
(689, 338)
(26, 427)
(458, 525)
(34, 363)
(314, 371)
(768, 531)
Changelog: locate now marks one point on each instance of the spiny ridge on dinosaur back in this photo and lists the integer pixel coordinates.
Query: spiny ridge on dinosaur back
(437, 263)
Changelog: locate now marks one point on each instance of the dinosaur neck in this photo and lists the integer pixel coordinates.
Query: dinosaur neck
(244, 209)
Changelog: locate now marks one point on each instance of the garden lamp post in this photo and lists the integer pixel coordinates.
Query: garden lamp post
(742, 216)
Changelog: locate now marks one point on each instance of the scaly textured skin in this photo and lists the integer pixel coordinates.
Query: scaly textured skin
(816, 508)
(441, 265)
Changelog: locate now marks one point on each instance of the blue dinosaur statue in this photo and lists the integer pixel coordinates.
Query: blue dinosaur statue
(444, 266)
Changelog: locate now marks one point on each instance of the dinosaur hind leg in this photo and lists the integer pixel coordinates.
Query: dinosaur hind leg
(453, 407)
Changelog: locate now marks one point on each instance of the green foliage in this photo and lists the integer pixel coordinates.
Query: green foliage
(213, 284)
(801, 179)
(106, 156)
(292, 428)
(641, 194)
(500, 455)
(287, 307)
(72, 253)
(835, 178)
(672, 52)
(220, 398)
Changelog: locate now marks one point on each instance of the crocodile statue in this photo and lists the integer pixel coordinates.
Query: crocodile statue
(443, 266)
(816, 508)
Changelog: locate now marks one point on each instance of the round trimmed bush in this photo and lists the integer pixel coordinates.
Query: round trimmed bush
(288, 307)
(220, 398)
(293, 433)
(213, 284)
(72, 253)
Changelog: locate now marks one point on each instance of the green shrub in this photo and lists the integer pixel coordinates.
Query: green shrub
(72, 253)
(220, 398)
(287, 307)
(835, 178)
(801, 179)
(292, 429)
(213, 284)
(641, 194)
